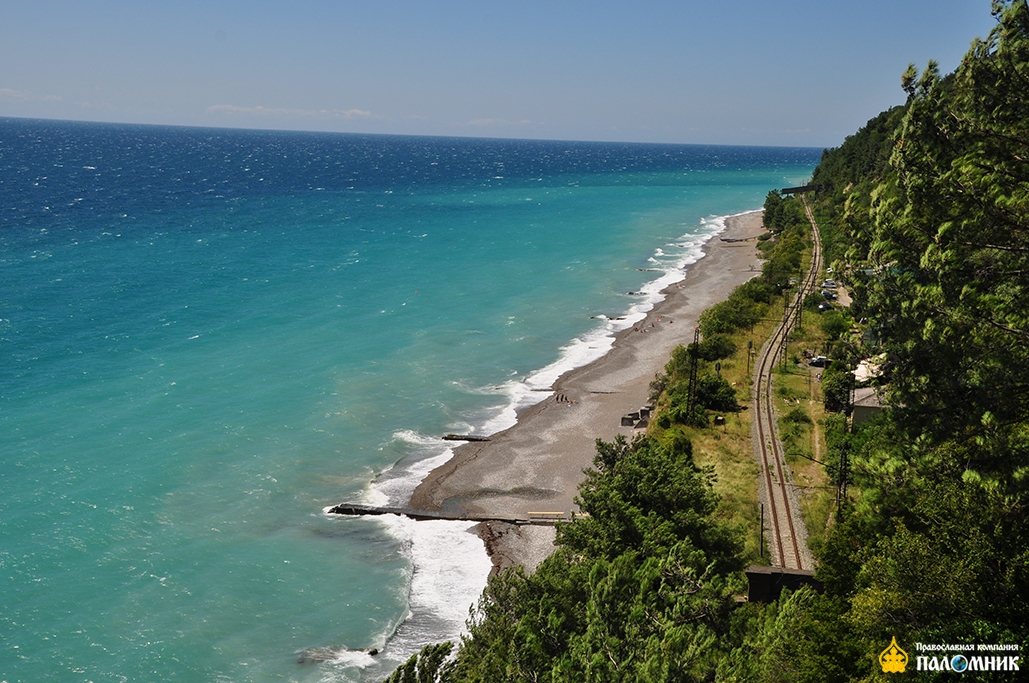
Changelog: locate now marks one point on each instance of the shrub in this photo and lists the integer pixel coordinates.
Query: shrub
(715, 393)
(797, 416)
(757, 290)
(836, 385)
(733, 314)
(716, 347)
(835, 324)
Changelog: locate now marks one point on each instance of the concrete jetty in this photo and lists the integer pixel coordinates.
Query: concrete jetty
(534, 518)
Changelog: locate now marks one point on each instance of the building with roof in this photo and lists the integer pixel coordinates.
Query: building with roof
(867, 403)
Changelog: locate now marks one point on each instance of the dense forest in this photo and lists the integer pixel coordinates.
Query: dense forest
(925, 218)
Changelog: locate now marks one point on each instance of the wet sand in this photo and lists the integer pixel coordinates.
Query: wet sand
(536, 465)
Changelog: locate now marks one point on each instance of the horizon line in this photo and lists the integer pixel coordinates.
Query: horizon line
(407, 135)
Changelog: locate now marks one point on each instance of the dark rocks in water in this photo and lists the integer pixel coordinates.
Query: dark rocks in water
(317, 655)
(464, 437)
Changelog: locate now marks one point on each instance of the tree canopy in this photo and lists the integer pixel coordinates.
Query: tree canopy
(950, 243)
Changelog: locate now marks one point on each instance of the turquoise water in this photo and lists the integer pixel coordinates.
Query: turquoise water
(209, 336)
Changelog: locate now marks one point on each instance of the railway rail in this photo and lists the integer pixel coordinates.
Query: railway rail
(787, 535)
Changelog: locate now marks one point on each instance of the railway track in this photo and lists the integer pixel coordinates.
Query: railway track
(787, 535)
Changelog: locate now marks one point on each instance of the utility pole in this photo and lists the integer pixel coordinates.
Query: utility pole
(841, 484)
(785, 327)
(691, 390)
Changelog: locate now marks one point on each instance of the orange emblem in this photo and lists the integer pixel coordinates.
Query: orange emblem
(893, 659)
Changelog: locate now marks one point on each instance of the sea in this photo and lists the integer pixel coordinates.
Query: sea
(210, 336)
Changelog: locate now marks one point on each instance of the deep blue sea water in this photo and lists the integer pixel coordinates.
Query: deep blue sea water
(209, 336)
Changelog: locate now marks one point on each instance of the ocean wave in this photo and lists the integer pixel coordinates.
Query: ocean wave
(352, 659)
(674, 258)
(413, 437)
(442, 590)
(394, 486)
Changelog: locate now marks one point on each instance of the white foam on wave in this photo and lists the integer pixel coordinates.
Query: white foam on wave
(449, 571)
(673, 258)
(450, 568)
(395, 485)
(358, 659)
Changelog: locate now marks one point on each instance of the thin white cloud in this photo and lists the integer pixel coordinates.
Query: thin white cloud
(22, 96)
(280, 112)
(497, 122)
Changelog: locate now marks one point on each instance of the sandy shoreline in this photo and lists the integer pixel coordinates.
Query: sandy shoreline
(536, 465)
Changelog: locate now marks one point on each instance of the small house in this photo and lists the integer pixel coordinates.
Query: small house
(866, 403)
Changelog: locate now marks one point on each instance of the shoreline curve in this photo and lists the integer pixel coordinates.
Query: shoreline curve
(536, 464)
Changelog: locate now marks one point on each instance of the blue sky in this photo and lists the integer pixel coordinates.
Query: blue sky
(743, 72)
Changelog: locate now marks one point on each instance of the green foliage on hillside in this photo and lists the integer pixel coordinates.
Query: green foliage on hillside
(749, 302)
(781, 214)
(837, 382)
(431, 665)
(950, 241)
(712, 391)
(846, 176)
(863, 158)
(715, 348)
(933, 547)
(640, 590)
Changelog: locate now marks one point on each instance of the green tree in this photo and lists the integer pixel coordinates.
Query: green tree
(642, 589)
(716, 347)
(715, 393)
(735, 313)
(430, 665)
(642, 495)
(837, 383)
(772, 216)
(951, 240)
(835, 324)
(801, 638)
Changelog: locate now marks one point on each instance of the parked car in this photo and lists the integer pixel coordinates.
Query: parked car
(829, 295)
(825, 306)
(818, 362)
